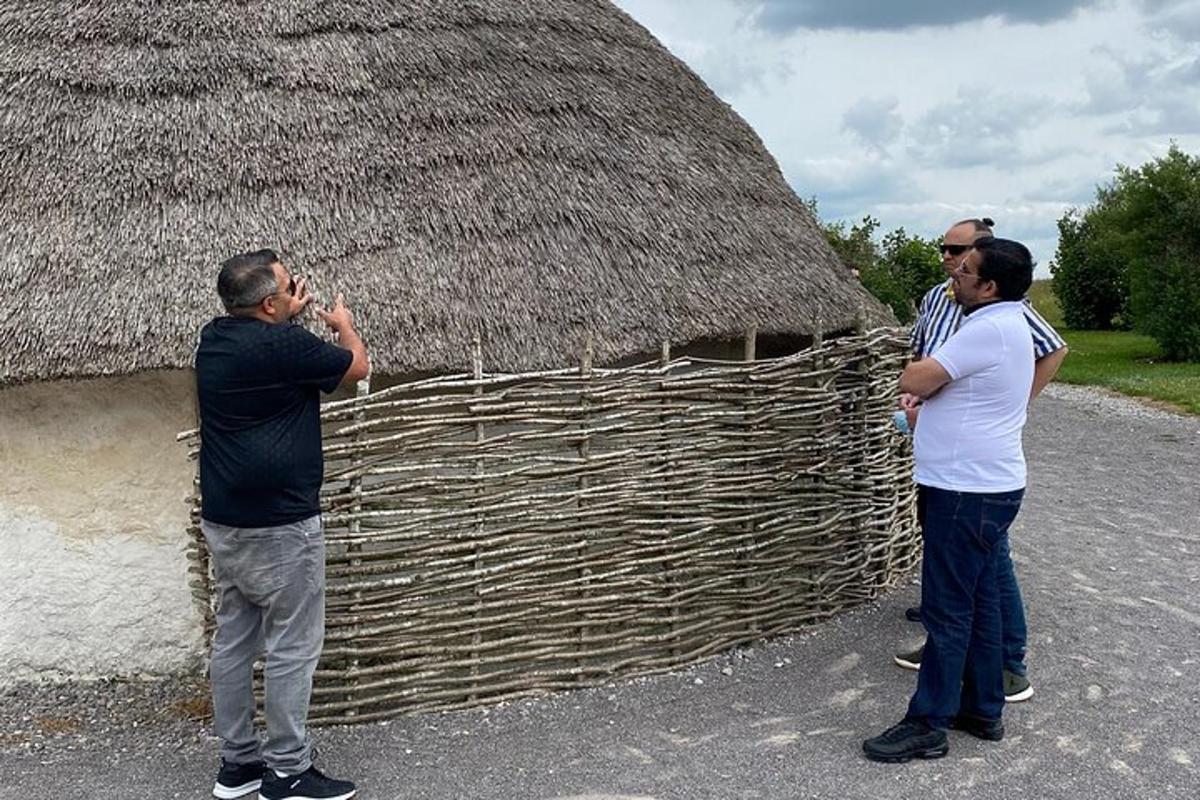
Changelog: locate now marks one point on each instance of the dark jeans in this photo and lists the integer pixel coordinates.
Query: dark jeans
(1012, 607)
(966, 539)
(1012, 613)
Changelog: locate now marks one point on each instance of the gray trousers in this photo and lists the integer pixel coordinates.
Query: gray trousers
(271, 592)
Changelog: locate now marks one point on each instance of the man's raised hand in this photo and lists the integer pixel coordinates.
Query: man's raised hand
(337, 318)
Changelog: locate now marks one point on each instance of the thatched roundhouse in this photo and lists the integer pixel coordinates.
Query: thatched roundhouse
(536, 174)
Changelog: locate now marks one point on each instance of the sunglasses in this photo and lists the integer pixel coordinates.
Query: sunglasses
(954, 249)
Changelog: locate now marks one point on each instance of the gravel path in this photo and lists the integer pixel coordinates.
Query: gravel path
(1108, 551)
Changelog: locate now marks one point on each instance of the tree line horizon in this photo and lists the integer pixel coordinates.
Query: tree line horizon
(1129, 260)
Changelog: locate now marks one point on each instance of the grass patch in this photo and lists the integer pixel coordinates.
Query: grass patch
(1129, 363)
(1126, 362)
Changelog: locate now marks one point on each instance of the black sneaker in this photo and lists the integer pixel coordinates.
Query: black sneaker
(1016, 687)
(990, 730)
(308, 785)
(913, 614)
(235, 780)
(910, 659)
(905, 741)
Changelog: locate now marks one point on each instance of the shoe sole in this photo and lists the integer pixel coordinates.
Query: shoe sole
(224, 792)
(1020, 696)
(345, 796)
(935, 752)
(915, 666)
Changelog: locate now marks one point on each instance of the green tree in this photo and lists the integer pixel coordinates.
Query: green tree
(1166, 302)
(897, 270)
(1157, 207)
(855, 244)
(1089, 273)
(915, 262)
(1135, 254)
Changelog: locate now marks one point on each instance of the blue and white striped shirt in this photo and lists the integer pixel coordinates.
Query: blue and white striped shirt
(938, 317)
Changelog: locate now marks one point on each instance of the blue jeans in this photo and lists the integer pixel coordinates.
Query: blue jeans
(1012, 612)
(966, 539)
(1012, 607)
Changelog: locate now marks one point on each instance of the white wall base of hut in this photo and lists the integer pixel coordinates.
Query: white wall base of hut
(115, 605)
(93, 575)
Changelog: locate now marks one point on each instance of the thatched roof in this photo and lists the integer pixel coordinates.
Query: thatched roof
(529, 170)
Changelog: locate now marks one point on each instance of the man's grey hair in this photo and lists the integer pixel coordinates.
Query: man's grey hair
(247, 279)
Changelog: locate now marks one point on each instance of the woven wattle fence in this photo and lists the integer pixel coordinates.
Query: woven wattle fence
(496, 536)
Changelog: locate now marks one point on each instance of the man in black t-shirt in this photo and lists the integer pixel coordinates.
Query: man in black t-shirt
(258, 381)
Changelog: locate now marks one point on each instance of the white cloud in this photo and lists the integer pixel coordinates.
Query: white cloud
(849, 188)
(1176, 18)
(1156, 92)
(1018, 107)
(875, 121)
(972, 130)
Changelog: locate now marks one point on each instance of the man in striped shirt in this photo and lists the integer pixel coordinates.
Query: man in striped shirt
(938, 318)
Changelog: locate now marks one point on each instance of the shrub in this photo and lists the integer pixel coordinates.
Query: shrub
(897, 273)
(1133, 255)
(915, 263)
(882, 282)
(1155, 222)
(1089, 276)
(1166, 302)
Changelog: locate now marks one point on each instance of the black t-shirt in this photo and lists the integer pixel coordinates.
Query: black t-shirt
(260, 423)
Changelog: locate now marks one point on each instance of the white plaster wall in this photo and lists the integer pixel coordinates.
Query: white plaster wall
(93, 576)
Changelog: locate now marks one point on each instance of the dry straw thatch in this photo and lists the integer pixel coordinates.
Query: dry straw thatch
(528, 171)
(531, 174)
(496, 536)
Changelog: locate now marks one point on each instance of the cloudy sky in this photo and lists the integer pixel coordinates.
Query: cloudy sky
(921, 112)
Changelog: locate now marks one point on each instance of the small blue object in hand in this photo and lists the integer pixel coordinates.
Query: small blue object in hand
(900, 418)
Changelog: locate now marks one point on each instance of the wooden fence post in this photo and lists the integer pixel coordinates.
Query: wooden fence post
(585, 449)
(361, 390)
(669, 580)
(749, 350)
(476, 634)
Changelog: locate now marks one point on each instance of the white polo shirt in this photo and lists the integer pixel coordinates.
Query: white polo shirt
(968, 436)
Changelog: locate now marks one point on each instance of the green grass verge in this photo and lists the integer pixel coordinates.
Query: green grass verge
(1126, 362)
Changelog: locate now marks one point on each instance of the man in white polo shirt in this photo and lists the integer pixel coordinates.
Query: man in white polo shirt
(970, 471)
(939, 318)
